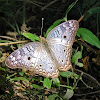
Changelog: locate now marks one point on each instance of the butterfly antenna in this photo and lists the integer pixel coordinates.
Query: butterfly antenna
(41, 30)
(42, 27)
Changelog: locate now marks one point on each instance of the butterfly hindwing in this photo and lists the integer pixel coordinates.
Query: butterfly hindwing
(63, 55)
(45, 64)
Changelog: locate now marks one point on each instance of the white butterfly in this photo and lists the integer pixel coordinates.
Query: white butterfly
(49, 56)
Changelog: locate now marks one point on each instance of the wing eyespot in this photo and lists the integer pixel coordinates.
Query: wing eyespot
(40, 65)
(64, 36)
(64, 50)
(44, 72)
(29, 58)
(61, 60)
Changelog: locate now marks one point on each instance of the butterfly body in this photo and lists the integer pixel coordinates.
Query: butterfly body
(49, 56)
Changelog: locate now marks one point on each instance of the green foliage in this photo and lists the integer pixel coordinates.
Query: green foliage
(91, 11)
(31, 36)
(68, 94)
(37, 86)
(47, 83)
(4, 41)
(19, 78)
(68, 74)
(9, 77)
(3, 69)
(52, 97)
(76, 56)
(21, 73)
(69, 8)
(56, 81)
(88, 36)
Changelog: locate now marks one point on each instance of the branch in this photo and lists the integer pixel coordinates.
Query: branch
(9, 43)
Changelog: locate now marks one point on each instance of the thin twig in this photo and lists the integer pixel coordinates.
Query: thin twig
(32, 2)
(86, 45)
(80, 18)
(48, 4)
(88, 75)
(97, 25)
(90, 93)
(1, 44)
(7, 37)
(75, 84)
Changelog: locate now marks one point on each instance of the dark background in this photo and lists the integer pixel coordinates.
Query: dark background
(15, 13)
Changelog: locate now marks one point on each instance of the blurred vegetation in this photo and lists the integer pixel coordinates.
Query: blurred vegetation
(22, 19)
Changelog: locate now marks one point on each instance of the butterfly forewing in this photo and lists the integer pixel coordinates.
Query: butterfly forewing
(64, 33)
(33, 56)
(23, 57)
(60, 40)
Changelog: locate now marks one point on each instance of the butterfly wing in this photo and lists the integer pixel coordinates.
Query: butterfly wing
(60, 40)
(33, 56)
(63, 55)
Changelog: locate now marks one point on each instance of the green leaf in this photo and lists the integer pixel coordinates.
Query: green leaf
(2, 69)
(21, 73)
(52, 97)
(88, 36)
(66, 74)
(91, 12)
(47, 83)
(69, 94)
(4, 41)
(31, 36)
(19, 78)
(76, 56)
(37, 86)
(70, 87)
(70, 7)
(79, 64)
(33, 79)
(56, 81)
(8, 77)
(76, 76)
(33, 91)
(57, 22)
